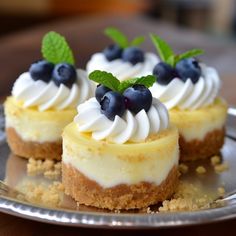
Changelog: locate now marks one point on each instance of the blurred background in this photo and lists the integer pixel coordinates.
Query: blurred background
(217, 17)
(185, 24)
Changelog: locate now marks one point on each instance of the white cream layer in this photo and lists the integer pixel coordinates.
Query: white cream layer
(122, 70)
(46, 96)
(111, 169)
(129, 127)
(187, 95)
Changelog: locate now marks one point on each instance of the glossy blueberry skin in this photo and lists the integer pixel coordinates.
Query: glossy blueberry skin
(41, 70)
(100, 92)
(137, 97)
(133, 55)
(112, 52)
(64, 73)
(189, 68)
(164, 73)
(112, 104)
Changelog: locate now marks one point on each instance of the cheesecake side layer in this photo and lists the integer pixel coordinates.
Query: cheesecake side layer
(196, 124)
(200, 149)
(112, 164)
(46, 150)
(122, 196)
(32, 125)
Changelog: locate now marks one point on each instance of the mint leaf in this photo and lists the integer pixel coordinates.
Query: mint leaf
(106, 79)
(171, 60)
(137, 41)
(55, 49)
(163, 48)
(117, 36)
(147, 81)
(188, 54)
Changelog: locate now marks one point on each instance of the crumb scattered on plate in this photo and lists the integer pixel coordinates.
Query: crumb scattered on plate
(215, 160)
(221, 191)
(49, 168)
(188, 197)
(201, 170)
(41, 193)
(183, 168)
(219, 168)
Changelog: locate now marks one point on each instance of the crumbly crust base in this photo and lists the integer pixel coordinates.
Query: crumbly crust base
(46, 150)
(122, 196)
(200, 149)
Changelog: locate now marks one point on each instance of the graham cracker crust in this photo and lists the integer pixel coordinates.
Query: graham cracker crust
(200, 149)
(122, 196)
(46, 150)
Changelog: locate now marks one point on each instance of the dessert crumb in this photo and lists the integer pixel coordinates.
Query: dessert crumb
(215, 160)
(39, 193)
(188, 197)
(149, 211)
(48, 168)
(221, 191)
(201, 170)
(183, 168)
(219, 168)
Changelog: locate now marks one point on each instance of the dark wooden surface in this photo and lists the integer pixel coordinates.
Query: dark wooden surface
(19, 50)
(13, 226)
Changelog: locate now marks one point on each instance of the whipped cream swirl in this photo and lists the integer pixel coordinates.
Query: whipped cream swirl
(121, 69)
(47, 95)
(186, 95)
(129, 127)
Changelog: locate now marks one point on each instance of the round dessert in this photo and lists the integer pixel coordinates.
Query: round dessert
(44, 101)
(123, 59)
(120, 152)
(189, 89)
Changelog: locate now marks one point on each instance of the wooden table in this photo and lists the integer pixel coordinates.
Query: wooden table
(84, 35)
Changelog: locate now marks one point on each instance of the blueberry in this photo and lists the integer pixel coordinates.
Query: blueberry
(138, 97)
(112, 104)
(64, 73)
(133, 55)
(41, 70)
(112, 52)
(189, 68)
(164, 73)
(100, 92)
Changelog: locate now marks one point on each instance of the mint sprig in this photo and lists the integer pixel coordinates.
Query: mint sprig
(55, 49)
(147, 81)
(121, 39)
(110, 81)
(167, 54)
(163, 48)
(106, 79)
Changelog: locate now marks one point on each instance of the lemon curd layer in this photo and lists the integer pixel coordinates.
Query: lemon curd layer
(195, 124)
(112, 164)
(33, 125)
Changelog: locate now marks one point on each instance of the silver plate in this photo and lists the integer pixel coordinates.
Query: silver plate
(13, 168)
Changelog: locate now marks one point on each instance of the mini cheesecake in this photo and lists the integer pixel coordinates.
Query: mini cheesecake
(123, 61)
(190, 91)
(202, 131)
(35, 134)
(44, 101)
(120, 152)
(119, 176)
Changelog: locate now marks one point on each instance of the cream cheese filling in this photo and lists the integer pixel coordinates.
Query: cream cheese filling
(34, 126)
(122, 166)
(196, 124)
